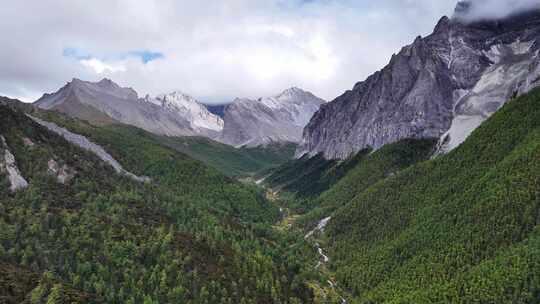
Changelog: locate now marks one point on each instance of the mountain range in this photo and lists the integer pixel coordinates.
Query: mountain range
(441, 86)
(281, 118)
(244, 122)
(420, 185)
(173, 114)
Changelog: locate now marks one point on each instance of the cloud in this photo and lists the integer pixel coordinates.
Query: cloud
(101, 67)
(110, 63)
(474, 10)
(216, 51)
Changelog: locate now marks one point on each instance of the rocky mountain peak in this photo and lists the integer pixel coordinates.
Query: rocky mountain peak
(441, 86)
(443, 25)
(292, 91)
(176, 98)
(281, 118)
(174, 114)
(107, 83)
(190, 108)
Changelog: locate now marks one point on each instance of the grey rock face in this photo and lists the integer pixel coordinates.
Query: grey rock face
(275, 119)
(105, 102)
(63, 174)
(86, 144)
(441, 86)
(201, 121)
(9, 166)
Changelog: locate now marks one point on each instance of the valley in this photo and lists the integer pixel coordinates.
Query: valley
(421, 184)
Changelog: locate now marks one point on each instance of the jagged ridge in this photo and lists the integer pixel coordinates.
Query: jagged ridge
(443, 85)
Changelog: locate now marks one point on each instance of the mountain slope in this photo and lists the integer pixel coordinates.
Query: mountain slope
(105, 102)
(462, 228)
(191, 235)
(197, 114)
(275, 119)
(443, 85)
(321, 184)
(241, 162)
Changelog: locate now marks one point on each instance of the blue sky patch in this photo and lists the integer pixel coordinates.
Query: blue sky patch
(147, 56)
(144, 55)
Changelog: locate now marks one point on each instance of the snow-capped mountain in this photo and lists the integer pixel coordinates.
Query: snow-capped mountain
(173, 114)
(281, 118)
(198, 115)
(441, 86)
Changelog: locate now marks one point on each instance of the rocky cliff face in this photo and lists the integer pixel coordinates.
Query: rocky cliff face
(275, 119)
(9, 165)
(200, 118)
(174, 114)
(441, 86)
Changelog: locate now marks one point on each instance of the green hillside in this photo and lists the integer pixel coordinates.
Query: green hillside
(372, 168)
(404, 228)
(308, 177)
(314, 182)
(462, 228)
(192, 235)
(241, 162)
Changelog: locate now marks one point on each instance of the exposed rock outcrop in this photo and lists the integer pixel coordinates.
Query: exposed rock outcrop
(86, 144)
(63, 174)
(28, 142)
(8, 165)
(105, 102)
(441, 86)
(258, 122)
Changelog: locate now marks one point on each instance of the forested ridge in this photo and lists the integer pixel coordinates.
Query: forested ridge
(462, 228)
(404, 225)
(192, 235)
(407, 226)
(231, 161)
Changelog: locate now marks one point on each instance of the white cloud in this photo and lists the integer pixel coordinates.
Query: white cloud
(219, 49)
(101, 67)
(496, 9)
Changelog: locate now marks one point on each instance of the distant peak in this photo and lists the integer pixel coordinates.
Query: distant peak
(104, 83)
(107, 83)
(176, 96)
(293, 90)
(178, 93)
(443, 24)
(105, 80)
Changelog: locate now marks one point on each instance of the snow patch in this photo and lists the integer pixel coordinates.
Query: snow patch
(86, 144)
(187, 106)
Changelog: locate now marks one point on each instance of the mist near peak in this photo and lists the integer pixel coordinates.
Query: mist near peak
(479, 10)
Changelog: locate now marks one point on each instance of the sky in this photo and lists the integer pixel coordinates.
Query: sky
(213, 50)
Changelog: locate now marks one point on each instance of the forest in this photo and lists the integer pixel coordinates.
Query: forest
(405, 224)
(409, 225)
(192, 235)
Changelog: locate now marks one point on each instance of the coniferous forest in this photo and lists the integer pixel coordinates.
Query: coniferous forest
(418, 185)
(407, 225)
